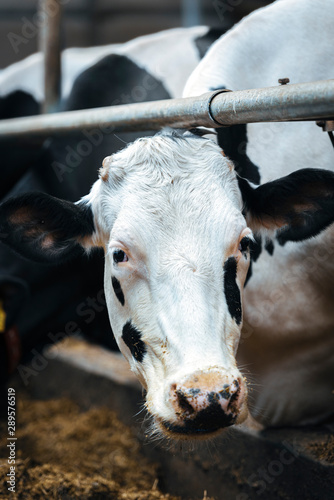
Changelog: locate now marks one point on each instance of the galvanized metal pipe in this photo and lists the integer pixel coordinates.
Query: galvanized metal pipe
(50, 13)
(303, 101)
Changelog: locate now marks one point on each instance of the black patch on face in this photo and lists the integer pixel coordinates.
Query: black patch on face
(118, 290)
(206, 421)
(132, 338)
(203, 43)
(269, 246)
(231, 290)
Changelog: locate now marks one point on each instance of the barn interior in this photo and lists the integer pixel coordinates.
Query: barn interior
(82, 431)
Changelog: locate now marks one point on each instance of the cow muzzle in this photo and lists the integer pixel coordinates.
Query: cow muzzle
(204, 403)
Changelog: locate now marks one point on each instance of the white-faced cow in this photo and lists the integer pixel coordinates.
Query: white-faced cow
(177, 222)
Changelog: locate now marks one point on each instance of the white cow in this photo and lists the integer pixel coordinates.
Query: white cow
(177, 223)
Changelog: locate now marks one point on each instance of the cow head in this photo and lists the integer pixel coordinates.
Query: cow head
(176, 226)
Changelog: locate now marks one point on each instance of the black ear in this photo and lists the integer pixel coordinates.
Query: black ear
(299, 206)
(43, 228)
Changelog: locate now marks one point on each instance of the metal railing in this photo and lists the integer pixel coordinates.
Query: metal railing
(302, 101)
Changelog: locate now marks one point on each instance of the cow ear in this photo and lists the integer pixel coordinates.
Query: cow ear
(298, 206)
(45, 229)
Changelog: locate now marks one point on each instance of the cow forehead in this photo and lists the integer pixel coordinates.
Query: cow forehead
(184, 233)
(176, 186)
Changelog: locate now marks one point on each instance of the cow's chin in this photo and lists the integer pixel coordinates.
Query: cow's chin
(183, 433)
(196, 430)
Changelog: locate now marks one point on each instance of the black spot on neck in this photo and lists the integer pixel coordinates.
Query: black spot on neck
(118, 290)
(231, 290)
(233, 141)
(132, 338)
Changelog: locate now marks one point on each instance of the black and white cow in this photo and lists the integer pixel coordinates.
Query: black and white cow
(177, 222)
(38, 300)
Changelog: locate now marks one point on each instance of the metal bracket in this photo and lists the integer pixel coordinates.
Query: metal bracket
(209, 106)
(327, 126)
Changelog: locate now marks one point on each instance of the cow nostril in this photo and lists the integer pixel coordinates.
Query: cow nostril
(213, 397)
(183, 403)
(225, 392)
(230, 391)
(232, 405)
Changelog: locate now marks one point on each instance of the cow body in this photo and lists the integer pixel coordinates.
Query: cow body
(288, 341)
(177, 219)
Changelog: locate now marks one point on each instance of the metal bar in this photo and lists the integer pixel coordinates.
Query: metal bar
(50, 13)
(303, 101)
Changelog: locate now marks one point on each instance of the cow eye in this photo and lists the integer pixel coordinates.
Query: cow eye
(244, 245)
(119, 256)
